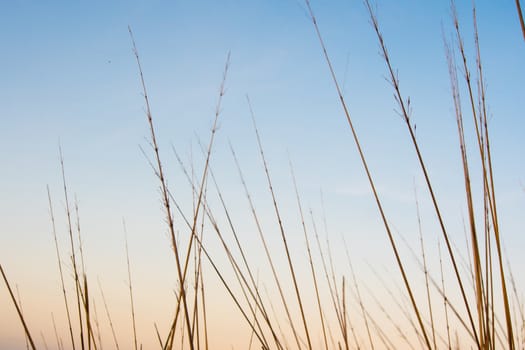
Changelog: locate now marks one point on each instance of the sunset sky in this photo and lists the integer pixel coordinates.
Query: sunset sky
(69, 77)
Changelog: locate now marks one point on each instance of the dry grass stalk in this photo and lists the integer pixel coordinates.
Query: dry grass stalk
(310, 260)
(281, 228)
(423, 255)
(18, 309)
(365, 164)
(358, 295)
(520, 15)
(266, 249)
(59, 261)
(115, 339)
(73, 255)
(130, 286)
(164, 192)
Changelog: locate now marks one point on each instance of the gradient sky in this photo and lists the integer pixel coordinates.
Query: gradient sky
(68, 76)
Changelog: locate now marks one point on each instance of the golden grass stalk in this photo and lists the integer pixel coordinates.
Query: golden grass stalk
(241, 278)
(164, 192)
(99, 335)
(423, 255)
(447, 323)
(59, 260)
(201, 191)
(109, 316)
(266, 249)
(44, 340)
(281, 228)
(491, 193)
(18, 309)
(395, 323)
(83, 287)
(479, 288)
(72, 246)
(22, 310)
(130, 286)
(310, 260)
(520, 15)
(58, 339)
(488, 178)
(358, 295)
(331, 287)
(365, 163)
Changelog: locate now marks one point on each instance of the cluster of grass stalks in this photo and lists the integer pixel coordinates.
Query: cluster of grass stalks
(324, 310)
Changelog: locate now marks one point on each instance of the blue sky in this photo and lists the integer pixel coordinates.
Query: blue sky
(68, 76)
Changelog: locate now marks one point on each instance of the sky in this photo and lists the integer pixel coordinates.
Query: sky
(69, 78)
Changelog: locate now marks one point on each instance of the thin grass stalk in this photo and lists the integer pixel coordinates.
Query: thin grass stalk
(423, 255)
(337, 303)
(405, 115)
(164, 190)
(254, 308)
(22, 310)
(491, 190)
(385, 339)
(159, 338)
(91, 336)
(484, 153)
(97, 324)
(479, 288)
(232, 295)
(239, 274)
(331, 335)
(57, 338)
(487, 169)
(380, 305)
(518, 303)
(400, 305)
(80, 243)
(83, 287)
(130, 287)
(237, 271)
(343, 320)
(44, 340)
(368, 174)
(332, 288)
(84, 291)
(257, 297)
(480, 301)
(277, 323)
(447, 322)
(203, 302)
(436, 286)
(18, 309)
(345, 315)
(108, 316)
(203, 178)
(332, 274)
(241, 278)
(72, 246)
(266, 249)
(310, 260)
(358, 294)
(336, 297)
(197, 280)
(168, 344)
(281, 228)
(520, 15)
